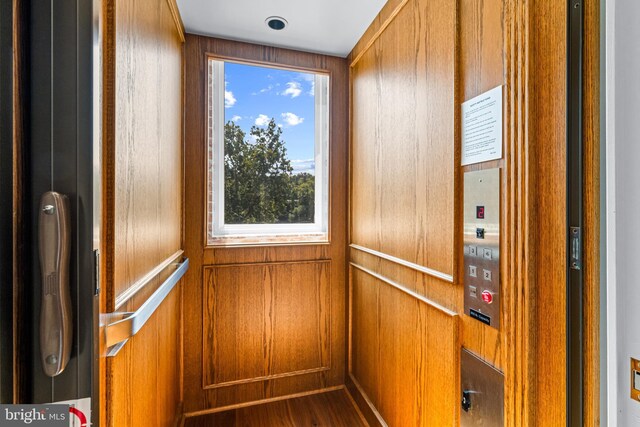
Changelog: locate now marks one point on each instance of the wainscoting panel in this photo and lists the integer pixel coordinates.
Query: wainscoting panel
(265, 321)
(405, 350)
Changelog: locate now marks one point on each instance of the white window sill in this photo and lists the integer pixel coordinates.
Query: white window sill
(269, 240)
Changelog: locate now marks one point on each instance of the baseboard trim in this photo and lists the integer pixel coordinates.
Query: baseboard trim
(356, 407)
(364, 404)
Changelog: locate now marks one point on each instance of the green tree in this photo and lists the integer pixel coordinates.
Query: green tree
(260, 187)
(304, 198)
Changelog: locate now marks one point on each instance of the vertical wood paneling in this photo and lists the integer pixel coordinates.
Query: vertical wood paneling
(148, 131)
(403, 203)
(404, 354)
(144, 377)
(265, 321)
(169, 337)
(403, 148)
(481, 32)
(549, 128)
(365, 342)
(142, 205)
(591, 131)
(518, 271)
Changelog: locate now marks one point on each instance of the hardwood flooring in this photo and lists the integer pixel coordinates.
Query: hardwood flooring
(331, 409)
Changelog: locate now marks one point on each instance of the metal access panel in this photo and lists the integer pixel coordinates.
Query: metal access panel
(482, 393)
(482, 246)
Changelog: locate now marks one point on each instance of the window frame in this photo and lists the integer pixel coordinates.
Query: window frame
(219, 232)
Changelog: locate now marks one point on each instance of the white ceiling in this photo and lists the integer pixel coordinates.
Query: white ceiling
(331, 27)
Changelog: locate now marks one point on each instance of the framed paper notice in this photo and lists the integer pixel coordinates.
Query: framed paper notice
(482, 127)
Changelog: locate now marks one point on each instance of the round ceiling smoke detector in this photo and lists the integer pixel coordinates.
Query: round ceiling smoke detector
(276, 22)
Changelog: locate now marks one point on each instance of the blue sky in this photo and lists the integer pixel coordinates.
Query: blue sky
(253, 95)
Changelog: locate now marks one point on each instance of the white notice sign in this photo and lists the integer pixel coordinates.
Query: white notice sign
(482, 127)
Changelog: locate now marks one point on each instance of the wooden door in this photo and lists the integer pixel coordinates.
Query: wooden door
(261, 321)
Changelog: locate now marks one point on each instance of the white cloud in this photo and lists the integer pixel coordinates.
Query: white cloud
(236, 118)
(293, 89)
(308, 166)
(307, 76)
(292, 119)
(229, 99)
(267, 89)
(262, 120)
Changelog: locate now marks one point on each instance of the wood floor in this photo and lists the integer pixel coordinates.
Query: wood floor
(331, 409)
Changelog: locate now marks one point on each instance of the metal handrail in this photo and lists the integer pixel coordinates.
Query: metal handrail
(123, 325)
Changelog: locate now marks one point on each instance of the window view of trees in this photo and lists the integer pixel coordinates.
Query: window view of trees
(260, 186)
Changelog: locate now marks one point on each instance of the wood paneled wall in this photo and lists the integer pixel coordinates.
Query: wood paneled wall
(147, 174)
(144, 379)
(592, 219)
(404, 298)
(142, 205)
(402, 86)
(285, 304)
(417, 62)
(265, 321)
(404, 352)
(549, 107)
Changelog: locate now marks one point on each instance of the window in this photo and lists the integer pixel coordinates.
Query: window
(268, 154)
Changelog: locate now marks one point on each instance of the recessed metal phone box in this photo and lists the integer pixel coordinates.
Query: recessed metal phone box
(482, 246)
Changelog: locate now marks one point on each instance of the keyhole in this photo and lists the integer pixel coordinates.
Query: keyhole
(466, 400)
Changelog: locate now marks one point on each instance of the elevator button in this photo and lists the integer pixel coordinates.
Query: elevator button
(487, 297)
(472, 271)
(473, 250)
(473, 291)
(486, 275)
(486, 253)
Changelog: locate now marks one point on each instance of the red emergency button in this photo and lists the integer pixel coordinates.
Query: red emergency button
(487, 297)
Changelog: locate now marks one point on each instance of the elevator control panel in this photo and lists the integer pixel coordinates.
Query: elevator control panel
(482, 246)
(482, 388)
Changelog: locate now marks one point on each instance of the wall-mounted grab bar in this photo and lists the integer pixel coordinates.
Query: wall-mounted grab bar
(123, 325)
